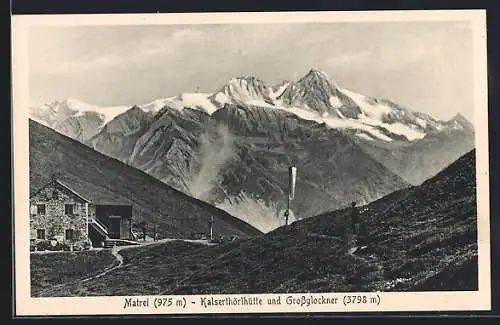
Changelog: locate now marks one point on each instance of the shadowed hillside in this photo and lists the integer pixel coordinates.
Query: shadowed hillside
(423, 238)
(105, 179)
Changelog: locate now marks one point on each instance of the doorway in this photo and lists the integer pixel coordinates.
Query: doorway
(114, 227)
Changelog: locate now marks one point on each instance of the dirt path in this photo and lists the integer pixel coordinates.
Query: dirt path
(115, 251)
(337, 238)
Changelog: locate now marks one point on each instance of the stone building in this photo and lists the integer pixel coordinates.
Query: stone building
(74, 215)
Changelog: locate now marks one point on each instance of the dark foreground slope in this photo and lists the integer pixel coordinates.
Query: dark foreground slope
(423, 238)
(108, 180)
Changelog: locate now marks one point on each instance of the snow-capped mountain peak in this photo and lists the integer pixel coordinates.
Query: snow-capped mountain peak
(277, 90)
(199, 101)
(81, 120)
(313, 97)
(315, 91)
(245, 90)
(319, 77)
(459, 119)
(316, 97)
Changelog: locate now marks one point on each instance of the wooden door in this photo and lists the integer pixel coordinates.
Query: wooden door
(114, 227)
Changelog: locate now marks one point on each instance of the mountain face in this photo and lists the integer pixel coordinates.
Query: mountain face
(316, 92)
(422, 238)
(82, 121)
(175, 213)
(76, 119)
(241, 90)
(232, 148)
(118, 135)
(238, 157)
(417, 161)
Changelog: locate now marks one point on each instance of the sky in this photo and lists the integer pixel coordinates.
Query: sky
(424, 66)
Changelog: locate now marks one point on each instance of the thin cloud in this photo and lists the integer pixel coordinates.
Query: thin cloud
(174, 43)
(358, 58)
(137, 64)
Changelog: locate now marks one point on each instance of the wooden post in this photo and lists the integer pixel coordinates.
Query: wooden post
(144, 230)
(130, 235)
(210, 223)
(155, 235)
(287, 212)
(292, 173)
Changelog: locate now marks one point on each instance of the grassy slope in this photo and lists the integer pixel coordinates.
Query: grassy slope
(50, 270)
(423, 238)
(175, 213)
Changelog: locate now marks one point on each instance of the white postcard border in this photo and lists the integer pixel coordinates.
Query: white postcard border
(388, 301)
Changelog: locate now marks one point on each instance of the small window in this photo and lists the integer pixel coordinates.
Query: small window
(55, 195)
(40, 233)
(69, 234)
(40, 209)
(68, 209)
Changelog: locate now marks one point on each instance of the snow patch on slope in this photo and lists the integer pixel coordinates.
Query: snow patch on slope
(333, 122)
(375, 110)
(193, 100)
(106, 113)
(364, 136)
(259, 103)
(275, 94)
(396, 128)
(335, 102)
(221, 98)
(155, 105)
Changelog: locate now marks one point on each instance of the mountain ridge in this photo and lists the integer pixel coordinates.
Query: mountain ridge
(314, 96)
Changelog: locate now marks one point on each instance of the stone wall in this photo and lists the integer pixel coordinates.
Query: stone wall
(55, 222)
(91, 211)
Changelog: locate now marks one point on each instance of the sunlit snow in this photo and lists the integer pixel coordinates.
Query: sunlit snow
(333, 122)
(335, 101)
(374, 111)
(260, 103)
(106, 113)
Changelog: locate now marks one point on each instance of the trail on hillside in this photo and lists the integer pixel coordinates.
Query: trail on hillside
(315, 235)
(119, 258)
(115, 252)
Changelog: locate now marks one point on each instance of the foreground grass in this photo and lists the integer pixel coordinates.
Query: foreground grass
(296, 260)
(62, 268)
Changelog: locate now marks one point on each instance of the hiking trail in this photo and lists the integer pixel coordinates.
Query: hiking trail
(115, 251)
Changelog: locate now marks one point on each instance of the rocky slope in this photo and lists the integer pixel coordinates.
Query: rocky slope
(418, 160)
